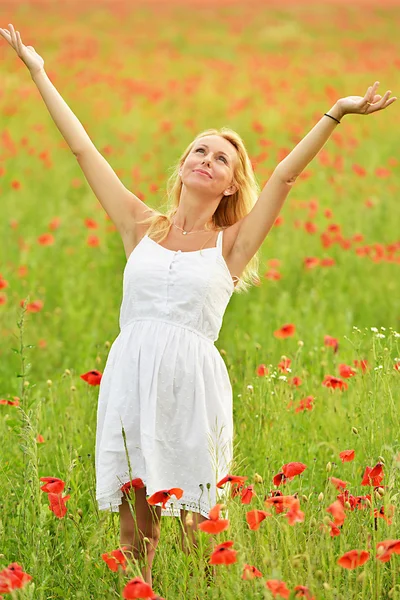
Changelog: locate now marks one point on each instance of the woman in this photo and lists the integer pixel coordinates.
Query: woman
(164, 423)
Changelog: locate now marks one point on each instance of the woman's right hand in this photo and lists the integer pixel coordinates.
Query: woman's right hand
(27, 54)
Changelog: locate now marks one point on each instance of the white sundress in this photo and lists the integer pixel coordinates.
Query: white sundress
(165, 381)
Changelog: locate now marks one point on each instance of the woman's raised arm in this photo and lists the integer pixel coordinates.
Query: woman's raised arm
(122, 206)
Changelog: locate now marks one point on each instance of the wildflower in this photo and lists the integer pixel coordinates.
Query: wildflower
(353, 559)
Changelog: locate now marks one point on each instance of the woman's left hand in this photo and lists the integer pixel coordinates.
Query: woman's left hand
(368, 104)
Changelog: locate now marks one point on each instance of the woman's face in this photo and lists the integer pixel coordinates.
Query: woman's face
(217, 157)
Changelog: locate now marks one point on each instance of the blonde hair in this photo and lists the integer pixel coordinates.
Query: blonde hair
(230, 209)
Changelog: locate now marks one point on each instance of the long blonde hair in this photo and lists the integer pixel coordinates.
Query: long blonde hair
(230, 209)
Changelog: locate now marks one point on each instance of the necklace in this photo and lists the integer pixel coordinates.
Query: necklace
(187, 232)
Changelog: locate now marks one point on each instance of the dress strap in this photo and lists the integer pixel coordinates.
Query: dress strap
(219, 241)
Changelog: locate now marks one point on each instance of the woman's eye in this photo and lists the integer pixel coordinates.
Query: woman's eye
(223, 157)
(199, 149)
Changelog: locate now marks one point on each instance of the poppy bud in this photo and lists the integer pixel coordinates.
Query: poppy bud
(250, 388)
(98, 359)
(361, 576)
(326, 585)
(26, 384)
(257, 478)
(146, 539)
(300, 343)
(296, 562)
(80, 512)
(313, 521)
(222, 351)
(380, 550)
(257, 346)
(67, 372)
(49, 382)
(381, 491)
(328, 466)
(107, 344)
(377, 495)
(367, 502)
(354, 430)
(319, 573)
(381, 459)
(320, 496)
(304, 498)
(347, 504)
(72, 388)
(327, 519)
(189, 520)
(391, 592)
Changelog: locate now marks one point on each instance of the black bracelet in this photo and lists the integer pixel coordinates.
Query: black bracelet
(326, 114)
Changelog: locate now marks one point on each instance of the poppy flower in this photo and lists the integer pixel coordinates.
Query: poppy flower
(381, 512)
(52, 485)
(137, 588)
(346, 371)
(285, 331)
(279, 478)
(373, 476)
(92, 377)
(247, 494)
(280, 502)
(386, 548)
(250, 572)
(337, 511)
(133, 484)
(334, 529)
(284, 364)
(331, 341)
(338, 483)
(294, 514)
(255, 517)
(164, 495)
(353, 559)
(57, 504)
(347, 455)
(223, 555)
(115, 558)
(305, 404)
(334, 383)
(278, 588)
(214, 524)
(303, 592)
(292, 469)
(232, 479)
(12, 578)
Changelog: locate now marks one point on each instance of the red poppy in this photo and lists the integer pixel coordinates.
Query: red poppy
(248, 494)
(137, 588)
(255, 517)
(250, 572)
(292, 469)
(233, 479)
(223, 555)
(12, 578)
(346, 371)
(337, 511)
(386, 548)
(214, 524)
(164, 495)
(46, 239)
(338, 483)
(294, 514)
(280, 502)
(52, 485)
(347, 455)
(334, 531)
(353, 559)
(57, 504)
(387, 516)
(334, 382)
(133, 484)
(373, 476)
(331, 341)
(115, 558)
(361, 364)
(278, 588)
(284, 364)
(92, 377)
(279, 478)
(285, 331)
(305, 404)
(303, 592)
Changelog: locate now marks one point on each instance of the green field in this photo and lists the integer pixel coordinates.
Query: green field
(144, 82)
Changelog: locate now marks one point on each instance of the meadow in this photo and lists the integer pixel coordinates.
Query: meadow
(312, 350)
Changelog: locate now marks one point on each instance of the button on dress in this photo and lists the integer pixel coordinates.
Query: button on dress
(165, 382)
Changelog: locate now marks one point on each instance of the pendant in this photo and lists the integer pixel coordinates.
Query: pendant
(184, 232)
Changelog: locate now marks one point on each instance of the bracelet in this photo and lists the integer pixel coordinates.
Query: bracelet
(326, 115)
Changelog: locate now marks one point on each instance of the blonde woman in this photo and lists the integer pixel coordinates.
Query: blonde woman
(165, 402)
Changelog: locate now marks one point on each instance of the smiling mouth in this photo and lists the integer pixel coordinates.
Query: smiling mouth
(202, 173)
